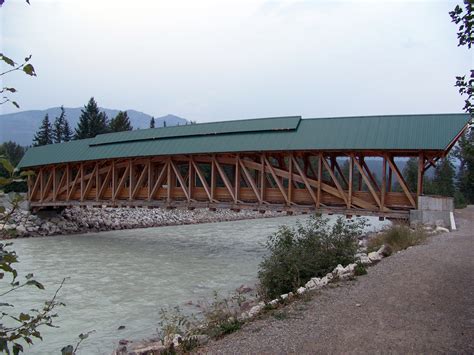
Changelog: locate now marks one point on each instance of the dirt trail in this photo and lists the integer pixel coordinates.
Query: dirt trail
(418, 301)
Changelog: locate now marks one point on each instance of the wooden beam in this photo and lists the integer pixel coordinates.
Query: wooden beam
(122, 181)
(251, 181)
(367, 182)
(320, 179)
(384, 183)
(62, 181)
(47, 188)
(105, 183)
(342, 194)
(225, 179)
(203, 181)
(150, 178)
(262, 176)
(277, 180)
(369, 174)
(180, 179)
(191, 178)
(213, 179)
(73, 185)
(131, 179)
(81, 168)
(421, 166)
(140, 180)
(237, 179)
(290, 179)
(168, 181)
(159, 180)
(339, 170)
(351, 181)
(305, 180)
(88, 187)
(97, 182)
(401, 181)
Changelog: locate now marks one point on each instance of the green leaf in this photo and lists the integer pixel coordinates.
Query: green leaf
(24, 317)
(7, 60)
(10, 89)
(2, 208)
(29, 69)
(17, 348)
(15, 104)
(7, 165)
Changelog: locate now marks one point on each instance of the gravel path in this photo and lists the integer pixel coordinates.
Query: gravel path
(418, 301)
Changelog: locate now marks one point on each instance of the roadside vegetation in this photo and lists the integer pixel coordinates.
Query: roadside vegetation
(310, 250)
(397, 237)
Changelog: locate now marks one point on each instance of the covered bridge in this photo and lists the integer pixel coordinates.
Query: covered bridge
(343, 165)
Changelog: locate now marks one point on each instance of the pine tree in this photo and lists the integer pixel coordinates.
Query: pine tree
(67, 131)
(443, 181)
(91, 122)
(465, 153)
(152, 122)
(410, 173)
(44, 135)
(164, 123)
(58, 127)
(120, 123)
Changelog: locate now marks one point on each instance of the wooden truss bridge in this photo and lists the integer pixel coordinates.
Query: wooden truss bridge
(243, 167)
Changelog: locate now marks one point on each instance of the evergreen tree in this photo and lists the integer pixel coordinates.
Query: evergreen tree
(120, 123)
(410, 173)
(164, 123)
(91, 122)
(152, 122)
(58, 127)
(465, 153)
(443, 181)
(67, 131)
(44, 135)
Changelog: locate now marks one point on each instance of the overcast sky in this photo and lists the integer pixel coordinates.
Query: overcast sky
(209, 60)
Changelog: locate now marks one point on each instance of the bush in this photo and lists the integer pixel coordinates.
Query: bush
(360, 269)
(310, 250)
(397, 237)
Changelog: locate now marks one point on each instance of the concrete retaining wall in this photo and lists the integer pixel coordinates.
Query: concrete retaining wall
(434, 210)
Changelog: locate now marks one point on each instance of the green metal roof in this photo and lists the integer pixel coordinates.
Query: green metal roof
(289, 123)
(398, 132)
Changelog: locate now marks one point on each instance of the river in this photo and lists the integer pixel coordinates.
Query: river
(124, 277)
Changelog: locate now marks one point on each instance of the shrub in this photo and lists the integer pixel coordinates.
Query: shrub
(397, 237)
(309, 250)
(360, 269)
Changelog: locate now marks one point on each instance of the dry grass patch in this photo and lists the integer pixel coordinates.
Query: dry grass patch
(398, 237)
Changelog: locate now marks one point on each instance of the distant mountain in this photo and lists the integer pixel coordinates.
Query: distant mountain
(21, 127)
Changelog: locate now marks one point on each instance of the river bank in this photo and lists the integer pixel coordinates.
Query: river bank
(77, 220)
(419, 300)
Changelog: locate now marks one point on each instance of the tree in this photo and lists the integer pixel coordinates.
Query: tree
(465, 19)
(67, 131)
(58, 127)
(164, 123)
(152, 122)
(91, 122)
(410, 173)
(44, 135)
(12, 151)
(464, 151)
(443, 180)
(120, 123)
